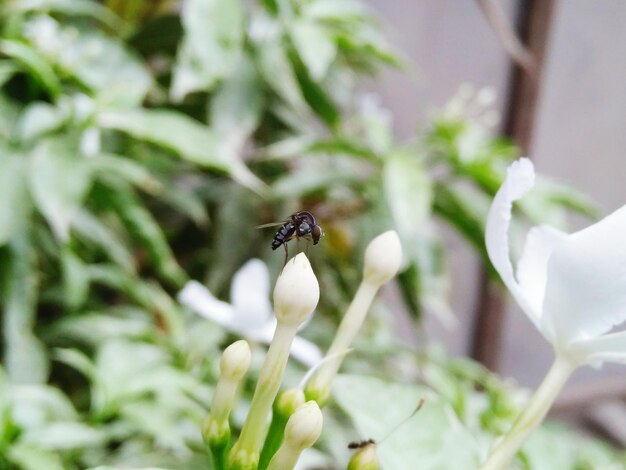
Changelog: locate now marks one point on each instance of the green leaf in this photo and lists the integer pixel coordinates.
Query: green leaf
(464, 212)
(28, 456)
(71, 7)
(7, 70)
(188, 138)
(214, 33)
(314, 45)
(13, 196)
(109, 68)
(9, 108)
(433, 437)
(279, 75)
(75, 279)
(553, 446)
(315, 95)
(307, 181)
(91, 229)
(235, 209)
(36, 405)
(77, 359)
(142, 225)
(185, 201)
(149, 295)
(65, 436)
(336, 10)
(130, 322)
(25, 357)
(135, 173)
(408, 191)
(366, 47)
(33, 62)
(39, 118)
(237, 105)
(174, 131)
(59, 180)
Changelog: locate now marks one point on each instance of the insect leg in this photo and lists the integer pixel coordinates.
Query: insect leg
(286, 254)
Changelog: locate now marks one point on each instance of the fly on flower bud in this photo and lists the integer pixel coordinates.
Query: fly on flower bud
(296, 292)
(364, 458)
(383, 258)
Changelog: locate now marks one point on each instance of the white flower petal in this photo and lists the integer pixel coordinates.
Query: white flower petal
(302, 350)
(199, 299)
(609, 348)
(586, 288)
(532, 268)
(519, 179)
(250, 295)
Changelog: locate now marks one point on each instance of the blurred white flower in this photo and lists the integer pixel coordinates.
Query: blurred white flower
(571, 286)
(249, 314)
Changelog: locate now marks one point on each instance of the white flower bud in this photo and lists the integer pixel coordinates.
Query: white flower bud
(383, 258)
(296, 292)
(288, 401)
(235, 361)
(304, 426)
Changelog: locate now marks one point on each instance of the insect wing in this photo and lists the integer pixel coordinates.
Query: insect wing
(272, 224)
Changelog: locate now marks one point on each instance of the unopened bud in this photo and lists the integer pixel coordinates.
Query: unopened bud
(305, 426)
(383, 258)
(235, 361)
(296, 292)
(288, 401)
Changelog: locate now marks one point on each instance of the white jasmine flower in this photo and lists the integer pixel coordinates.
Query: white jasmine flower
(571, 286)
(249, 314)
(573, 289)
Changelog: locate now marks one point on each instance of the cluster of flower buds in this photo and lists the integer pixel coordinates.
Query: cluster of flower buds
(296, 424)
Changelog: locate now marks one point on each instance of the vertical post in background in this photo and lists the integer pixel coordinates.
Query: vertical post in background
(534, 19)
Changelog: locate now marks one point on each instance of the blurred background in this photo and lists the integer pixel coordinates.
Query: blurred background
(576, 135)
(142, 141)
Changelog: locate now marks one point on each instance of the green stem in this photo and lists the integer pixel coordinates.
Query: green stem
(245, 452)
(318, 388)
(274, 438)
(218, 454)
(501, 455)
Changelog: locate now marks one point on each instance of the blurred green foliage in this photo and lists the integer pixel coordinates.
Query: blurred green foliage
(140, 143)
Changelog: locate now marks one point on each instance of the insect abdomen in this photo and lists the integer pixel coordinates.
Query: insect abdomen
(284, 233)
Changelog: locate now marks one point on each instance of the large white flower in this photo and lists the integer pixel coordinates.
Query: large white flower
(572, 287)
(249, 314)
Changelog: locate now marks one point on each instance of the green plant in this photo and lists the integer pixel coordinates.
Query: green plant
(140, 142)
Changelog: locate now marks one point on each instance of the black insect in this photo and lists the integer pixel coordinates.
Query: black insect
(299, 225)
(361, 444)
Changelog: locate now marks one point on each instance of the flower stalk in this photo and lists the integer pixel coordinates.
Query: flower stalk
(383, 257)
(284, 406)
(234, 364)
(532, 416)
